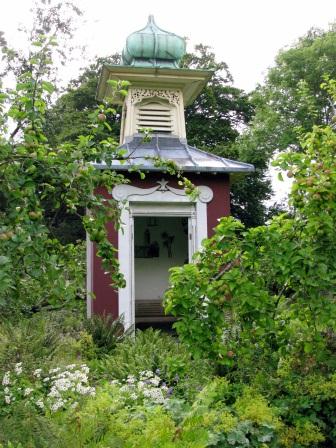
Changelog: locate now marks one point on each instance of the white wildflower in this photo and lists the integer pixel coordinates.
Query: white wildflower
(62, 384)
(46, 379)
(54, 392)
(37, 373)
(57, 405)
(7, 399)
(71, 366)
(6, 390)
(131, 379)
(85, 368)
(154, 395)
(134, 396)
(146, 374)
(28, 391)
(6, 379)
(40, 403)
(155, 381)
(18, 368)
(85, 390)
(57, 369)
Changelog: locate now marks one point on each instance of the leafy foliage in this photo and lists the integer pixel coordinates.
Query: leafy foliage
(38, 182)
(195, 409)
(261, 301)
(220, 110)
(69, 117)
(292, 97)
(156, 351)
(277, 280)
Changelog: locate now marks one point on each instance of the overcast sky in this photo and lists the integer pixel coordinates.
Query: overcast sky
(246, 34)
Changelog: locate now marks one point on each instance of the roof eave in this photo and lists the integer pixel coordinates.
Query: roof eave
(190, 81)
(248, 169)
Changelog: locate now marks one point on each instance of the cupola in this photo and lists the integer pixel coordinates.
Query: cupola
(153, 47)
(158, 93)
(159, 90)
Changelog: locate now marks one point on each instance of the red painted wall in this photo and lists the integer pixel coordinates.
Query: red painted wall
(106, 298)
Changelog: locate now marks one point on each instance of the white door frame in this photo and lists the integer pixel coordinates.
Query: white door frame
(161, 200)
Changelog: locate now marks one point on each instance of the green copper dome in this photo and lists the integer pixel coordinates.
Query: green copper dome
(153, 47)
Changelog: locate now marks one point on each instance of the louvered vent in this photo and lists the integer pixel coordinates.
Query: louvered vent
(155, 116)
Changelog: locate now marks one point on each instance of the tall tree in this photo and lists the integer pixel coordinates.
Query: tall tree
(214, 122)
(292, 98)
(70, 115)
(220, 110)
(290, 102)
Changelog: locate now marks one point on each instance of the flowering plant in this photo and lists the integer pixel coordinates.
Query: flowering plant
(148, 388)
(50, 391)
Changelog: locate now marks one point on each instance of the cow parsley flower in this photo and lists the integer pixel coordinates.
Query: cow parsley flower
(155, 381)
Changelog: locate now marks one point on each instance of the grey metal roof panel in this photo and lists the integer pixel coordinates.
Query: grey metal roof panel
(170, 147)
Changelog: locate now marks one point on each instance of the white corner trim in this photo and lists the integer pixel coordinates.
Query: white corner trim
(125, 256)
(89, 270)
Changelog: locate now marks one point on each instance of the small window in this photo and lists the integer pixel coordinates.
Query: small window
(156, 116)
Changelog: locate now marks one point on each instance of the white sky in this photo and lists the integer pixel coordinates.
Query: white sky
(246, 34)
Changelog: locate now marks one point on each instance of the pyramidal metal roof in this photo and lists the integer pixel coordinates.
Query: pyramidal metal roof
(141, 154)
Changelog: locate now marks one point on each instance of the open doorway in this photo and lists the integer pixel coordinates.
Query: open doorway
(159, 244)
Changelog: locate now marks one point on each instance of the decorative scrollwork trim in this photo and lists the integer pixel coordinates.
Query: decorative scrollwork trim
(137, 95)
(122, 192)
